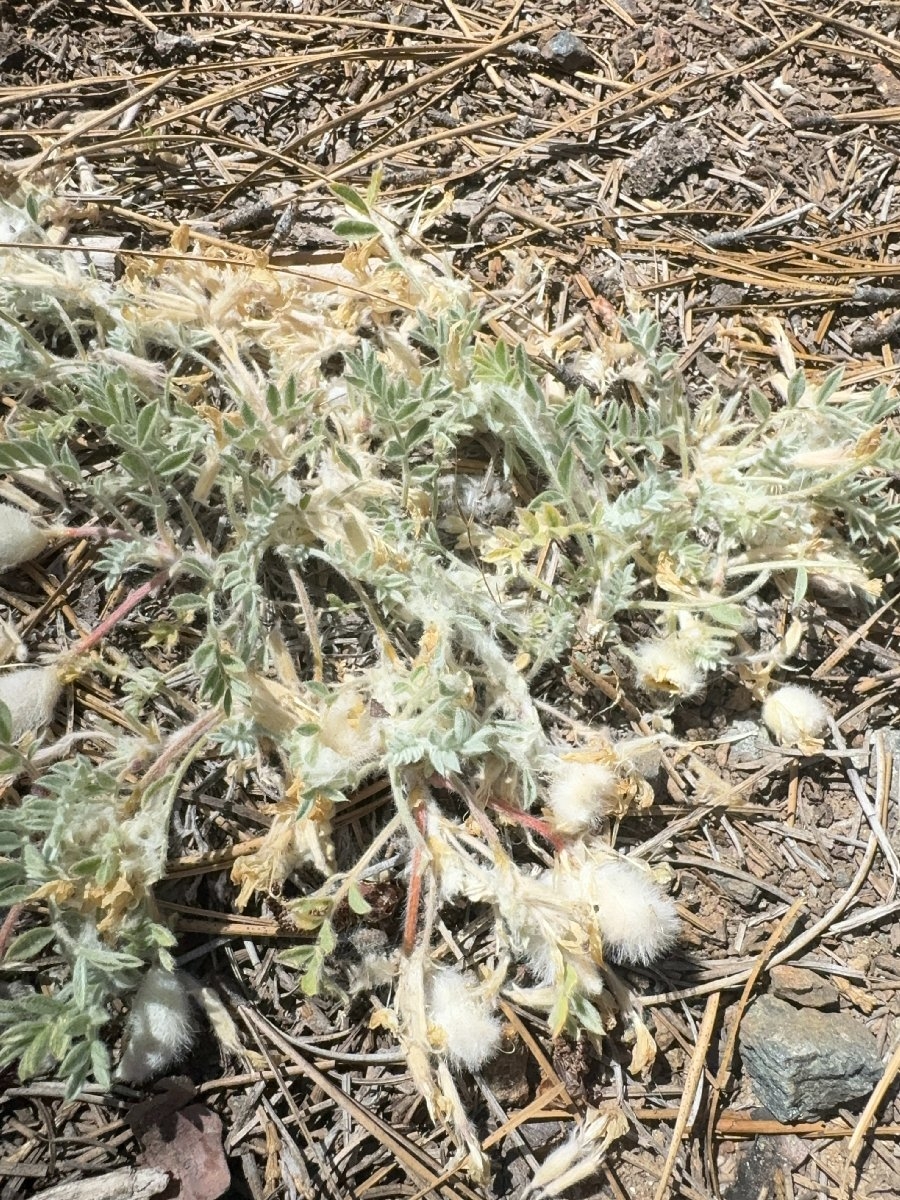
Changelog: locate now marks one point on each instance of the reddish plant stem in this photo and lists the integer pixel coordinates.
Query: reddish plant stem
(414, 893)
(131, 601)
(413, 898)
(94, 533)
(537, 824)
(180, 742)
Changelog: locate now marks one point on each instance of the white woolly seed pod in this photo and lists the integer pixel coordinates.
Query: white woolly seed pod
(30, 694)
(467, 1030)
(636, 920)
(668, 664)
(580, 794)
(797, 717)
(159, 1028)
(21, 538)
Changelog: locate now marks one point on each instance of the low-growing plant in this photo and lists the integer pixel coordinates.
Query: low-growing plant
(265, 459)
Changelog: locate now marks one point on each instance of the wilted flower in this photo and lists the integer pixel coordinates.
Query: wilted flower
(289, 842)
(797, 717)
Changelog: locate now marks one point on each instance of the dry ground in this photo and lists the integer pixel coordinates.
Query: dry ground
(724, 161)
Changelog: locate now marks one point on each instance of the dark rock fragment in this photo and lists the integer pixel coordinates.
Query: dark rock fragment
(748, 740)
(805, 1064)
(748, 1169)
(413, 16)
(745, 48)
(567, 52)
(809, 118)
(174, 45)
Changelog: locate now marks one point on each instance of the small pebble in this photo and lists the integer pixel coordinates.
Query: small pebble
(804, 987)
(567, 52)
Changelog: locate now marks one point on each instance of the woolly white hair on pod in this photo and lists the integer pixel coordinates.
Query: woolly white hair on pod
(347, 727)
(159, 1028)
(21, 538)
(796, 716)
(580, 793)
(667, 665)
(636, 920)
(469, 1030)
(30, 694)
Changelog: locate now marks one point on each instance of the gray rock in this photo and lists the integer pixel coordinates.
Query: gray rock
(891, 740)
(413, 16)
(742, 890)
(750, 743)
(567, 52)
(805, 1064)
(747, 1170)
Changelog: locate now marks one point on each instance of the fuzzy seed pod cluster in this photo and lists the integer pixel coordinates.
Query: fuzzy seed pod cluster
(668, 665)
(580, 794)
(30, 693)
(635, 919)
(464, 1025)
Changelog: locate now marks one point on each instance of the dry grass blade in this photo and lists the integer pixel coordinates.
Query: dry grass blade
(405, 1152)
(862, 1130)
(726, 1061)
(693, 1078)
(126, 1184)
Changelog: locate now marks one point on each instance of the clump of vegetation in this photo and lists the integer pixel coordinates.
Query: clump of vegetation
(260, 461)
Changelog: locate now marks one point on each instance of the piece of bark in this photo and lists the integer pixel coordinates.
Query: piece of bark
(129, 1183)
